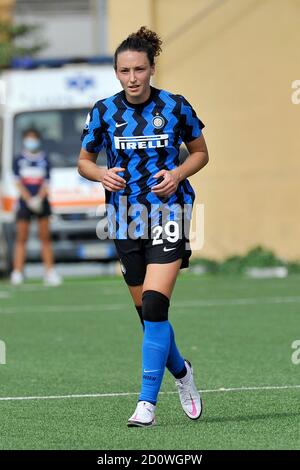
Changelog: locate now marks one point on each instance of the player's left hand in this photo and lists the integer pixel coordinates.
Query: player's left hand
(35, 203)
(168, 185)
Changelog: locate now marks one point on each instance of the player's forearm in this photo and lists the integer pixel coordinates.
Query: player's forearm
(25, 194)
(90, 170)
(194, 163)
(43, 191)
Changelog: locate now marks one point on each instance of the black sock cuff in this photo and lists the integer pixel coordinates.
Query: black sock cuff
(140, 313)
(157, 295)
(155, 306)
(181, 374)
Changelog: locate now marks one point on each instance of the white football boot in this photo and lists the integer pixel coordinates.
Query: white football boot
(52, 278)
(16, 278)
(189, 396)
(144, 415)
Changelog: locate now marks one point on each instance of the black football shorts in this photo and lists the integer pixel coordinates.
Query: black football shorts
(24, 213)
(136, 254)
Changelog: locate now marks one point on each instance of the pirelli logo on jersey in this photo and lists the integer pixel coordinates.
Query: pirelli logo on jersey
(141, 142)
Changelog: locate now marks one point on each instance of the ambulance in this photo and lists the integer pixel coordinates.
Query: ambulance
(54, 97)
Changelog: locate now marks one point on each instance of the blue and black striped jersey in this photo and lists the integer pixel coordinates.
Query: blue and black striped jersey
(144, 139)
(32, 170)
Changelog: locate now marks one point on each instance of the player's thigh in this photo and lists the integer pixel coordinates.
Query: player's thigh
(22, 226)
(162, 277)
(133, 266)
(44, 230)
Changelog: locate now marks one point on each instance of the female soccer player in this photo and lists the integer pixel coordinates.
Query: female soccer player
(32, 172)
(148, 199)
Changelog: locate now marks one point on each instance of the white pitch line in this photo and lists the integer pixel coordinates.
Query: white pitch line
(233, 302)
(105, 290)
(60, 308)
(38, 286)
(123, 394)
(175, 304)
(4, 295)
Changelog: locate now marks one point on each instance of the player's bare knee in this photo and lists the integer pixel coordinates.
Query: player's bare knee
(21, 238)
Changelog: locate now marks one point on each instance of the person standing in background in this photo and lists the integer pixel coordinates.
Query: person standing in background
(32, 172)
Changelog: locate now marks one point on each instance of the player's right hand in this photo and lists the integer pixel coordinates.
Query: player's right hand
(112, 181)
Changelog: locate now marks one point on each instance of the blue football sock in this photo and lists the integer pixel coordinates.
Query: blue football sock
(175, 362)
(155, 351)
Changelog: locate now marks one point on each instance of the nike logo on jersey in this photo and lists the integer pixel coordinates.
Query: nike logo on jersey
(169, 249)
(119, 124)
(142, 141)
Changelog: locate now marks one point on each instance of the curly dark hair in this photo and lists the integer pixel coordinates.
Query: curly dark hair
(144, 40)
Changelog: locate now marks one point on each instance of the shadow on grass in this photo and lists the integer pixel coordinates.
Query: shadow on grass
(246, 419)
(181, 421)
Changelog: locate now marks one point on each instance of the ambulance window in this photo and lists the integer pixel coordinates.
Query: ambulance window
(60, 130)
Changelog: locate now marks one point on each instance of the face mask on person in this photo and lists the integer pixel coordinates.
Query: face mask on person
(32, 144)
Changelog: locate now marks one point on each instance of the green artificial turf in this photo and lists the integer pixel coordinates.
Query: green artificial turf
(84, 338)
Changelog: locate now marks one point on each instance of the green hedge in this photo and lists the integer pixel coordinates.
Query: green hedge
(257, 257)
